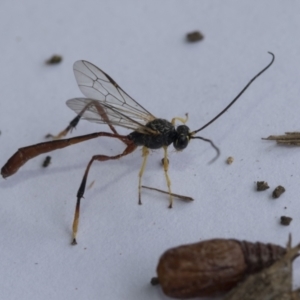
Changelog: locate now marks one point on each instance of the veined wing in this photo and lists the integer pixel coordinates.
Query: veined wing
(120, 108)
(101, 112)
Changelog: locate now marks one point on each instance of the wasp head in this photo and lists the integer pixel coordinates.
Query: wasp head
(182, 137)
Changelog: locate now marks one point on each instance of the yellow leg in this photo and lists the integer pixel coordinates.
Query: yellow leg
(182, 120)
(145, 152)
(166, 167)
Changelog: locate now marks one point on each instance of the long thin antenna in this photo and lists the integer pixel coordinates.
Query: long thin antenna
(237, 97)
(211, 143)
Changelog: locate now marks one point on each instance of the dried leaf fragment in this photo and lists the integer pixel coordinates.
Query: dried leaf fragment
(289, 138)
(284, 220)
(262, 186)
(278, 192)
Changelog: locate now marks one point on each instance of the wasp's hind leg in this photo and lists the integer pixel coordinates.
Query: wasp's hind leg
(130, 148)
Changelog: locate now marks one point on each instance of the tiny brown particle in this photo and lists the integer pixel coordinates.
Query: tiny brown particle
(47, 161)
(229, 160)
(278, 191)
(262, 185)
(284, 220)
(55, 59)
(195, 36)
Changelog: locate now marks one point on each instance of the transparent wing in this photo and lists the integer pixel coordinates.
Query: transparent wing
(100, 112)
(104, 93)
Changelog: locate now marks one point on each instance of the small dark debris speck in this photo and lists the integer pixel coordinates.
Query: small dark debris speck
(47, 161)
(284, 220)
(194, 36)
(154, 281)
(278, 191)
(262, 186)
(55, 59)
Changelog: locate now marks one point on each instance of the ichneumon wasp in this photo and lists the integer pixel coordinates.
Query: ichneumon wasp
(107, 103)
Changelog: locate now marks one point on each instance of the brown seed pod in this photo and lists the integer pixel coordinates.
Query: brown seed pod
(213, 266)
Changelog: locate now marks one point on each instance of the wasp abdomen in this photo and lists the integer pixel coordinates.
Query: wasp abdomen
(213, 266)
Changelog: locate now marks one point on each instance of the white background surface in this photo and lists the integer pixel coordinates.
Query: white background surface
(142, 46)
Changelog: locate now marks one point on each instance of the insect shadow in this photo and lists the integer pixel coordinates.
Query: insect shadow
(107, 103)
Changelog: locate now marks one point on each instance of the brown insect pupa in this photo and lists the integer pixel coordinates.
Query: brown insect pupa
(213, 266)
(273, 283)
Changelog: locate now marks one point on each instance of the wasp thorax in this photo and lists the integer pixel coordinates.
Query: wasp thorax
(182, 137)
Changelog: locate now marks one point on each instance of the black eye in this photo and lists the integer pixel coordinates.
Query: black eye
(181, 142)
